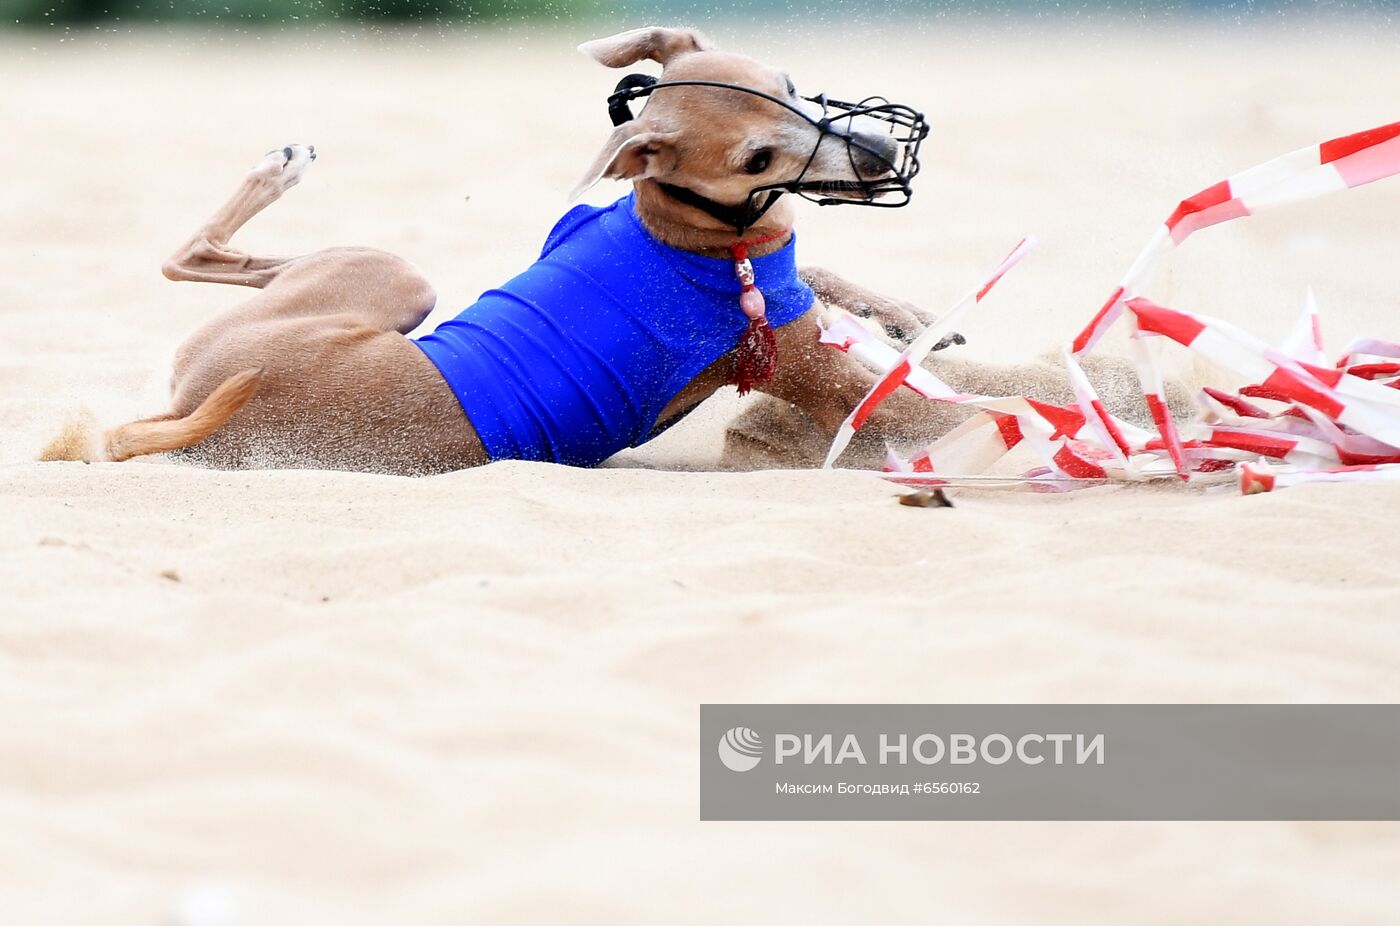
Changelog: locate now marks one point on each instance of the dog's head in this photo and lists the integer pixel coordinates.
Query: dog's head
(723, 143)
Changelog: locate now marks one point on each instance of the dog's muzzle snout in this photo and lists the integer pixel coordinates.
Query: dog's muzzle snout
(873, 155)
(884, 161)
(882, 142)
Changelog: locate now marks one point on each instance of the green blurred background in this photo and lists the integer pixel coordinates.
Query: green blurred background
(284, 12)
(292, 13)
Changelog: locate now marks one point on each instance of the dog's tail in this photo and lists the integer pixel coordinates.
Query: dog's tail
(158, 435)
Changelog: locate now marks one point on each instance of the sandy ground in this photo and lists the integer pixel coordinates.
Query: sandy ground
(306, 697)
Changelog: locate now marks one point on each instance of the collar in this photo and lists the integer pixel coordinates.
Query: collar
(740, 249)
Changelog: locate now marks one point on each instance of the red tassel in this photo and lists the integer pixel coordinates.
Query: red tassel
(756, 358)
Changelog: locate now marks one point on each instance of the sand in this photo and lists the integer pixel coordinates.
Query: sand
(307, 697)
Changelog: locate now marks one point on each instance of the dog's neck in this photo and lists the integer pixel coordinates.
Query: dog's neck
(674, 223)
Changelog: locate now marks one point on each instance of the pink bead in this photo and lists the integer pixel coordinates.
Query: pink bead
(751, 301)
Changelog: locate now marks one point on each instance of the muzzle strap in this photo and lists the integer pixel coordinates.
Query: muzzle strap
(618, 111)
(740, 218)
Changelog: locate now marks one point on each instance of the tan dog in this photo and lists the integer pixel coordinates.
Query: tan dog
(315, 370)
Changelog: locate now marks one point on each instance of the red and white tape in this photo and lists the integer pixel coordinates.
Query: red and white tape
(1320, 422)
(899, 372)
(1317, 170)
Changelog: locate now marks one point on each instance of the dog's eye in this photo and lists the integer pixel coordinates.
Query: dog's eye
(792, 88)
(759, 162)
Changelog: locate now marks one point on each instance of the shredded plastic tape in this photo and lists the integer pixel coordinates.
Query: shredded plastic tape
(1296, 419)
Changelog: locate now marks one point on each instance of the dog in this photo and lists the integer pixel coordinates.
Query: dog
(316, 369)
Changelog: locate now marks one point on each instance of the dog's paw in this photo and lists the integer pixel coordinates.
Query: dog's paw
(952, 339)
(902, 321)
(284, 166)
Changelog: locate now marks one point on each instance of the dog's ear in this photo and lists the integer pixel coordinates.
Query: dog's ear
(655, 42)
(631, 153)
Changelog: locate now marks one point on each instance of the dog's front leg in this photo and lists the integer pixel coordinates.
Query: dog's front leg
(816, 386)
(826, 384)
(901, 320)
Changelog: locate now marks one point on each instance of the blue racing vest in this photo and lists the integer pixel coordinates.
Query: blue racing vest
(574, 359)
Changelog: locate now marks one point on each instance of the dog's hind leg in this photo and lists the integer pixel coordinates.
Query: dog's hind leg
(208, 258)
(371, 286)
(315, 356)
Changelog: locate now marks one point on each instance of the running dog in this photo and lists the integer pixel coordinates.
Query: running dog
(634, 314)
